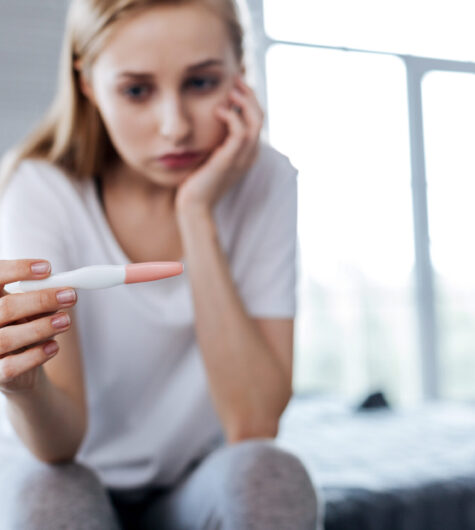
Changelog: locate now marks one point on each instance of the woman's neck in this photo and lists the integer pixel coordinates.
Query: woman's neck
(132, 188)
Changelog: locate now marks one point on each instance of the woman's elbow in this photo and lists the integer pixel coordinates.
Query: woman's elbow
(248, 429)
(262, 423)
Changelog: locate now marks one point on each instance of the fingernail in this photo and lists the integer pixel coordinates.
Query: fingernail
(61, 321)
(51, 348)
(67, 296)
(41, 267)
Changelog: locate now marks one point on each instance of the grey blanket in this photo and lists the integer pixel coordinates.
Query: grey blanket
(386, 470)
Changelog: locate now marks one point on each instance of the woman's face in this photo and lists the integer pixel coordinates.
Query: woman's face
(157, 83)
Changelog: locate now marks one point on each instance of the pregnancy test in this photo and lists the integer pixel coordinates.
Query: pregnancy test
(101, 276)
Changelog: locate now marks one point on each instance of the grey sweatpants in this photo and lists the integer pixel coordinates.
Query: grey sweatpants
(252, 485)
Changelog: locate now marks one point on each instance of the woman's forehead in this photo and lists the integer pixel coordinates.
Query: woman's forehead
(167, 38)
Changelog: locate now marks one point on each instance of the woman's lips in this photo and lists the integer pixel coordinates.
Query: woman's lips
(181, 160)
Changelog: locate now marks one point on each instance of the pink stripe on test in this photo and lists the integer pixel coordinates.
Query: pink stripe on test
(152, 270)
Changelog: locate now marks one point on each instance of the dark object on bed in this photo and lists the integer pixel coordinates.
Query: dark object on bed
(377, 400)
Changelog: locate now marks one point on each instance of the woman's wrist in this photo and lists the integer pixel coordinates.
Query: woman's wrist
(198, 232)
(25, 395)
(189, 214)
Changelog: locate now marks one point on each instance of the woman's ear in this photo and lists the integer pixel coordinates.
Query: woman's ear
(84, 84)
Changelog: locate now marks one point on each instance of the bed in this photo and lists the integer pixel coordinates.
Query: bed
(380, 469)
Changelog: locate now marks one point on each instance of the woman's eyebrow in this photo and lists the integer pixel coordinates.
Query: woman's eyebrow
(147, 75)
(203, 64)
(137, 75)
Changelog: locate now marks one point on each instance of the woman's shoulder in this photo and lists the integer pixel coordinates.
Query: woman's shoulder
(270, 158)
(271, 171)
(31, 168)
(38, 177)
(272, 166)
(270, 183)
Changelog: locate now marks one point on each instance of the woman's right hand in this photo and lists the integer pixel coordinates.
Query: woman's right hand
(28, 322)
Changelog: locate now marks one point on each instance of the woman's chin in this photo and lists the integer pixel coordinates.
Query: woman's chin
(169, 178)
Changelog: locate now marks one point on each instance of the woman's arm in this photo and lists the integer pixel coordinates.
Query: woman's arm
(249, 376)
(48, 420)
(44, 392)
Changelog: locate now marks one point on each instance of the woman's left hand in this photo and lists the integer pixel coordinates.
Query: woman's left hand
(232, 158)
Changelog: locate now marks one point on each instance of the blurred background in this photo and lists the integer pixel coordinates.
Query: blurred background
(373, 103)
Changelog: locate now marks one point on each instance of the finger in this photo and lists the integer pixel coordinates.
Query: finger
(24, 335)
(251, 112)
(29, 319)
(14, 366)
(236, 139)
(251, 94)
(23, 269)
(244, 148)
(22, 305)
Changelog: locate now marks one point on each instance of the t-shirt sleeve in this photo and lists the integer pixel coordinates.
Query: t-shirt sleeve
(265, 253)
(33, 218)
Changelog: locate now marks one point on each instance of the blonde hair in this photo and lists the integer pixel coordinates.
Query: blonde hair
(72, 135)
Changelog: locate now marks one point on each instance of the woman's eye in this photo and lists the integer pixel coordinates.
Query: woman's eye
(137, 92)
(202, 83)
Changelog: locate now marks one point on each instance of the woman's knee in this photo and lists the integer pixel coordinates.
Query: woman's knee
(267, 487)
(67, 495)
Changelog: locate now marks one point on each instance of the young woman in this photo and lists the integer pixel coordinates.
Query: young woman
(159, 400)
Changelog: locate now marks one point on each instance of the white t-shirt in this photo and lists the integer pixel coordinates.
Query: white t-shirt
(149, 407)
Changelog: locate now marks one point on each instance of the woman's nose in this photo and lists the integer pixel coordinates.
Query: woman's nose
(174, 122)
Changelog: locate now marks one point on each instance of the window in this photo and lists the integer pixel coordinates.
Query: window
(342, 117)
(353, 89)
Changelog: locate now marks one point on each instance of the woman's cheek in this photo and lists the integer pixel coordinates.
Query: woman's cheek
(132, 124)
(213, 130)
(125, 132)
